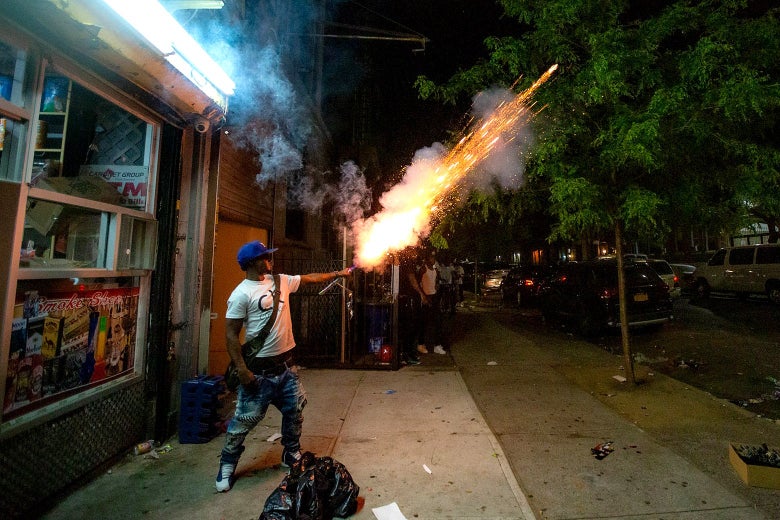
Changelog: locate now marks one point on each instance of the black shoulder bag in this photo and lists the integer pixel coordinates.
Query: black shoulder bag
(250, 349)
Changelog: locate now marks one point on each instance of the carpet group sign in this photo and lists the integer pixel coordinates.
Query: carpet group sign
(131, 181)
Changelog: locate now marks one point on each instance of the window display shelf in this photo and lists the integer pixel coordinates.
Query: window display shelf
(51, 128)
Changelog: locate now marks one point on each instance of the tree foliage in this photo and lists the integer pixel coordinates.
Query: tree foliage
(661, 114)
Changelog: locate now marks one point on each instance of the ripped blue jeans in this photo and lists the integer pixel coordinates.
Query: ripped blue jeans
(285, 392)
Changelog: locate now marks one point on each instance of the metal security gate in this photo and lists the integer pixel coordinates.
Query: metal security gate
(317, 319)
(349, 325)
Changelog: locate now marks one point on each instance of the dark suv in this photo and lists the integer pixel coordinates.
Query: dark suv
(585, 295)
(521, 284)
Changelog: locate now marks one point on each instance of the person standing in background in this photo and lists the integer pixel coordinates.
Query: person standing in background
(446, 286)
(432, 319)
(410, 302)
(457, 275)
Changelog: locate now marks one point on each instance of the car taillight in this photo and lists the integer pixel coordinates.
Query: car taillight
(529, 283)
(608, 292)
(676, 281)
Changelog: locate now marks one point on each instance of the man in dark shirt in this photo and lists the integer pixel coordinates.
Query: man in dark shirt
(410, 298)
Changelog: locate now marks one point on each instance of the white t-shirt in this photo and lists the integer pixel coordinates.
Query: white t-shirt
(428, 279)
(253, 302)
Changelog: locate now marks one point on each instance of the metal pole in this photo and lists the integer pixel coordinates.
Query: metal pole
(394, 289)
(343, 296)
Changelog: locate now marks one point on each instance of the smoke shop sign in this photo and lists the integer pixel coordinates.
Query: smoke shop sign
(97, 299)
(130, 181)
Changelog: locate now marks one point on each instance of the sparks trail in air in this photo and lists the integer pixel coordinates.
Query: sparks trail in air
(409, 206)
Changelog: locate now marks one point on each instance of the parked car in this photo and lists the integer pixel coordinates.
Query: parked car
(660, 266)
(743, 270)
(521, 284)
(491, 280)
(585, 295)
(685, 277)
(489, 276)
(667, 274)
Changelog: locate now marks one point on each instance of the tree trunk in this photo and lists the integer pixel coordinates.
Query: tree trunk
(628, 359)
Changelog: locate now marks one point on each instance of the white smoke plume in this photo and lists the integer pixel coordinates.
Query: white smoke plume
(506, 163)
(260, 46)
(266, 94)
(350, 198)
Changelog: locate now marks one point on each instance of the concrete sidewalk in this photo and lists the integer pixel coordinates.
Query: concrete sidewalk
(385, 427)
(502, 425)
(545, 401)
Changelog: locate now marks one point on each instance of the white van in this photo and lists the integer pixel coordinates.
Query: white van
(743, 270)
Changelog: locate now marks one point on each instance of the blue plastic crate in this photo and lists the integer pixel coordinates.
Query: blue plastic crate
(194, 418)
(200, 401)
(203, 386)
(199, 406)
(196, 427)
(197, 430)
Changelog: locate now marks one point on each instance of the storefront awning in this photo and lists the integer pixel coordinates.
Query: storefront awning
(146, 50)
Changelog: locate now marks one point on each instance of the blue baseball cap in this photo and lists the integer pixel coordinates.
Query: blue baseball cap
(252, 250)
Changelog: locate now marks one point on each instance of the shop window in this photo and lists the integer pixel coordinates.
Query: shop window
(69, 335)
(88, 146)
(63, 236)
(15, 90)
(79, 165)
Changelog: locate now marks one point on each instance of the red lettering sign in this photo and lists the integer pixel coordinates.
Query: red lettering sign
(134, 190)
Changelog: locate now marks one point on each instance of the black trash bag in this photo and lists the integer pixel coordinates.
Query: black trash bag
(316, 489)
(279, 504)
(341, 493)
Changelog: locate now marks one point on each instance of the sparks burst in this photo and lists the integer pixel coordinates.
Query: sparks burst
(407, 208)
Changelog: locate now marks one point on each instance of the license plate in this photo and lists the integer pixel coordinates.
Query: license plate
(640, 297)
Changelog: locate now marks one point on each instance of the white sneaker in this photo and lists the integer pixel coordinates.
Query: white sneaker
(421, 349)
(289, 458)
(439, 349)
(225, 477)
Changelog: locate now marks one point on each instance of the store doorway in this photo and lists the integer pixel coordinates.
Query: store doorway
(229, 236)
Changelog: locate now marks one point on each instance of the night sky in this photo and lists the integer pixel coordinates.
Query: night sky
(369, 103)
(398, 121)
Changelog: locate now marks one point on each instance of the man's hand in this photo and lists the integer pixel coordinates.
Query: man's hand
(246, 377)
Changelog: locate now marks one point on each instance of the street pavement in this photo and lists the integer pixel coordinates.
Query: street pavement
(501, 427)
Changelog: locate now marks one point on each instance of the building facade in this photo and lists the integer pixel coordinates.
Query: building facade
(109, 147)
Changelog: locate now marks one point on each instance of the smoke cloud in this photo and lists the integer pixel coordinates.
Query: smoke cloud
(350, 197)
(275, 117)
(506, 163)
(268, 51)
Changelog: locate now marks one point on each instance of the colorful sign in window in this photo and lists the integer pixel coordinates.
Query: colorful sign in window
(64, 341)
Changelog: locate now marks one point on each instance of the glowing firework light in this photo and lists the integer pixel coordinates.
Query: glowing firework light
(407, 208)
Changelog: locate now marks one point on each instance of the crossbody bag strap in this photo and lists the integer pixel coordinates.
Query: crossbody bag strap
(256, 345)
(277, 295)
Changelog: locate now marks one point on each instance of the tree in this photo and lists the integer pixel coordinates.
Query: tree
(661, 114)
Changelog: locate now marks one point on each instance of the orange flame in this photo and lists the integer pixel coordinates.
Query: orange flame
(407, 208)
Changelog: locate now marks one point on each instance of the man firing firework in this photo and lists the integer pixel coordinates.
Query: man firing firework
(270, 377)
